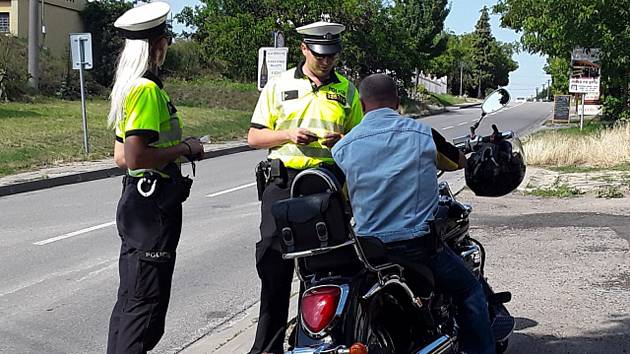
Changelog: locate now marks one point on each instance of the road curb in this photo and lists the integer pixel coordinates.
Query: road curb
(468, 105)
(73, 178)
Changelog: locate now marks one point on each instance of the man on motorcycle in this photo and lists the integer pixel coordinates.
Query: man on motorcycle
(391, 164)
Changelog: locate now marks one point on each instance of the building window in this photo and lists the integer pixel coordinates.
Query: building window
(4, 22)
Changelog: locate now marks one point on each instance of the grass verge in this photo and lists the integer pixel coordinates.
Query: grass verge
(446, 99)
(595, 147)
(49, 131)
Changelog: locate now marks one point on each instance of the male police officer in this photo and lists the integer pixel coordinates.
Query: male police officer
(299, 116)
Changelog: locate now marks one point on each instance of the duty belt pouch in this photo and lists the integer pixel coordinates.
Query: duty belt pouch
(278, 173)
(182, 187)
(310, 222)
(262, 176)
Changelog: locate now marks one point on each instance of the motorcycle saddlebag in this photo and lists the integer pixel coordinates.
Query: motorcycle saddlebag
(310, 222)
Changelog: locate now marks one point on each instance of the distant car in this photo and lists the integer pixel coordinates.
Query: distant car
(520, 99)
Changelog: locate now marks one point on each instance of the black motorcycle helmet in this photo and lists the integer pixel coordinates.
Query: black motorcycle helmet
(495, 169)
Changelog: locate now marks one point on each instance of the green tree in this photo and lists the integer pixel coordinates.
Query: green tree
(422, 22)
(501, 64)
(558, 68)
(555, 27)
(99, 18)
(459, 60)
(456, 63)
(377, 38)
(482, 44)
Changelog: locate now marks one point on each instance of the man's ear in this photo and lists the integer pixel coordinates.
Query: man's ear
(303, 48)
(397, 105)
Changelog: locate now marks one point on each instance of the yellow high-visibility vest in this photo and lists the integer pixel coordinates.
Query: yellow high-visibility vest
(150, 113)
(293, 101)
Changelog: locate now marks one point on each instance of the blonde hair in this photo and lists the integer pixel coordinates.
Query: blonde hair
(133, 63)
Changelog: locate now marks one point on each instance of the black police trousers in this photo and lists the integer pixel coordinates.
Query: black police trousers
(149, 228)
(275, 274)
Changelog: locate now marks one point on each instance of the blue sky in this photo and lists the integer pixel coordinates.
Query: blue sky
(462, 18)
(530, 74)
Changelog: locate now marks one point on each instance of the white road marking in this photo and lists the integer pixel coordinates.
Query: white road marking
(506, 109)
(462, 123)
(231, 190)
(98, 271)
(75, 233)
(449, 127)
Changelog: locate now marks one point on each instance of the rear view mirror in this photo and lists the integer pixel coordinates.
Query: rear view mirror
(495, 101)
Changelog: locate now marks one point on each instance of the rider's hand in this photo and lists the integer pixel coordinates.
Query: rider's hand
(196, 148)
(331, 139)
(301, 136)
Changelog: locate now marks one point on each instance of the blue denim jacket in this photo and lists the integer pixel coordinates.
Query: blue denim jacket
(390, 166)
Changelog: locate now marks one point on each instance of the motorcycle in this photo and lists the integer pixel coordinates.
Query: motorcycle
(352, 299)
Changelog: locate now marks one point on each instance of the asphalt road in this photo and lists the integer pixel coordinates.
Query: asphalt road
(60, 247)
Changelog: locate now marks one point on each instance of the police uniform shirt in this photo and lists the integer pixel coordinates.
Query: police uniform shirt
(150, 113)
(292, 100)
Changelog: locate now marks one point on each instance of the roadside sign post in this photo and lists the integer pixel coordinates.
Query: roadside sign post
(582, 116)
(81, 49)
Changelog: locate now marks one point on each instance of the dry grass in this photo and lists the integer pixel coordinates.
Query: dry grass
(600, 148)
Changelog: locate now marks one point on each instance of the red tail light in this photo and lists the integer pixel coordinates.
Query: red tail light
(319, 306)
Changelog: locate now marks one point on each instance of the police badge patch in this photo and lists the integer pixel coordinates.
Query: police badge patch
(336, 97)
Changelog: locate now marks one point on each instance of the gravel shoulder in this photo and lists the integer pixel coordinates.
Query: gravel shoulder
(566, 262)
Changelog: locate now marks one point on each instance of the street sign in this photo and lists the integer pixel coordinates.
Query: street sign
(584, 85)
(81, 49)
(271, 63)
(585, 79)
(585, 54)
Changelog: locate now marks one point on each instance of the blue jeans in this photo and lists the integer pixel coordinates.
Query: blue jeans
(452, 277)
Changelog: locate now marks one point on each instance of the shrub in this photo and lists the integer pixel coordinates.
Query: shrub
(616, 108)
(13, 68)
(184, 60)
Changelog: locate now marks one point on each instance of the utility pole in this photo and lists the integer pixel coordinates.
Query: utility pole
(33, 43)
(543, 91)
(548, 89)
(461, 78)
(536, 98)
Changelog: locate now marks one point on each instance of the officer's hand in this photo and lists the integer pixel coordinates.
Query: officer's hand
(196, 148)
(331, 139)
(301, 136)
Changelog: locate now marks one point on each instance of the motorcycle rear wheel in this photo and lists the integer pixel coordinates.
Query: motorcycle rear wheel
(380, 341)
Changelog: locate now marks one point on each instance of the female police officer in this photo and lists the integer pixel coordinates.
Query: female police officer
(149, 215)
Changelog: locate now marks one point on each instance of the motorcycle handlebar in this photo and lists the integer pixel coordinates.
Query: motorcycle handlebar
(468, 144)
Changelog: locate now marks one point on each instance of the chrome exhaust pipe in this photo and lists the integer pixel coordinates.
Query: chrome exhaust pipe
(444, 344)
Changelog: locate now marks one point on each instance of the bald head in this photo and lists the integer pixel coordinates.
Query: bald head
(378, 91)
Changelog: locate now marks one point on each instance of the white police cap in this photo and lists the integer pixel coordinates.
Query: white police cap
(143, 22)
(322, 37)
